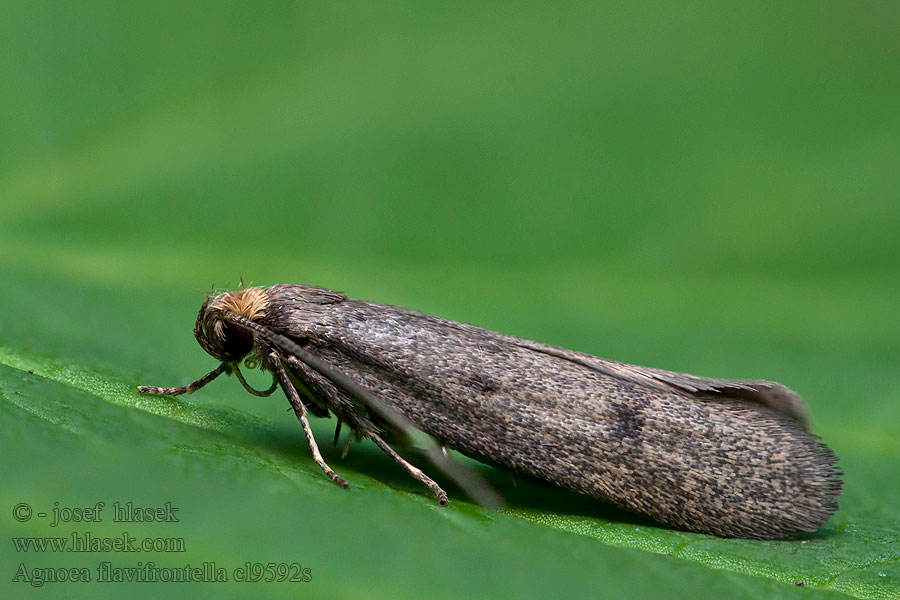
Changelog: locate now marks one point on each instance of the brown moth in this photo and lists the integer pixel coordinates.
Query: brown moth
(721, 456)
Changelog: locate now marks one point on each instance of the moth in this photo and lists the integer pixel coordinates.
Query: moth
(726, 457)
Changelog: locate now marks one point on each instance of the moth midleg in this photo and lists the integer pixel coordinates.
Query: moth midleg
(465, 478)
(468, 480)
(300, 410)
(414, 471)
(185, 389)
(309, 387)
(370, 433)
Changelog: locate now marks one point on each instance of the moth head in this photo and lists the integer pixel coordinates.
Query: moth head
(223, 340)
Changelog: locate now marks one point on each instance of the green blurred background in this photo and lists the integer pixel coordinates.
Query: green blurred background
(695, 186)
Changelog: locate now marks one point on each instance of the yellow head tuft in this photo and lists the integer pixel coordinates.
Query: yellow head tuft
(249, 302)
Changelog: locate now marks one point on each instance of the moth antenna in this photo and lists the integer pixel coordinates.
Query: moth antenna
(185, 389)
(467, 479)
(263, 394)
(300, 411)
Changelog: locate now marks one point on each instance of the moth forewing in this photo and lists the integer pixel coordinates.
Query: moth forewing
(728, 457)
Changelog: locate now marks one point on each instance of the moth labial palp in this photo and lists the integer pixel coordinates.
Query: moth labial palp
(722, 456)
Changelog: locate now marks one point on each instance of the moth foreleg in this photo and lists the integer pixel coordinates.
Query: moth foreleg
(185, 389)
(300, 410)
(414, 471)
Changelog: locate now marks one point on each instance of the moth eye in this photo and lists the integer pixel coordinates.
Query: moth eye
(237, 341)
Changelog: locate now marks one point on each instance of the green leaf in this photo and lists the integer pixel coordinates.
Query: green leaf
(706, 190)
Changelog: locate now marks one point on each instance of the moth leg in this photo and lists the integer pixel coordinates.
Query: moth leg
(260, 393)
(370, 432)
(467, 480)
(337, 433)
(184, 389)
(300, 410)
(414, 471)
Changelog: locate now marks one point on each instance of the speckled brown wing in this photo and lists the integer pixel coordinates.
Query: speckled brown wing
(770, 394)
(720, 456)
